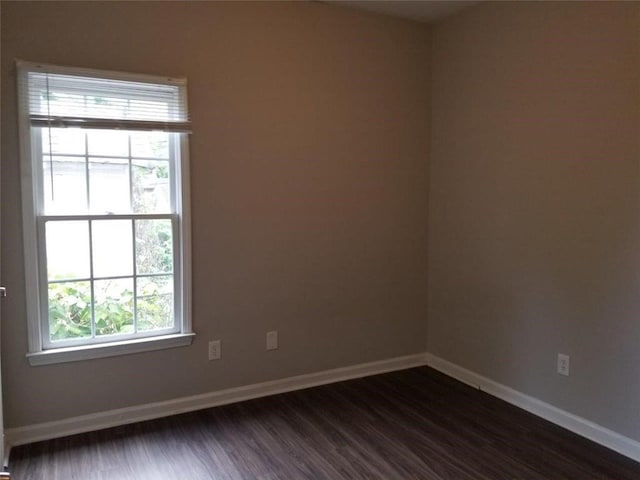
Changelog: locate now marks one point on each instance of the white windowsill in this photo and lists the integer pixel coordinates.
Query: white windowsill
(86, 352)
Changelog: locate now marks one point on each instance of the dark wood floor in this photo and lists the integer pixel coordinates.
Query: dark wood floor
(413, 424)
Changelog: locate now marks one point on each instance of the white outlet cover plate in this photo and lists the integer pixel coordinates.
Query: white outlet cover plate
(214, 350)
(272, 340)
(563, 364)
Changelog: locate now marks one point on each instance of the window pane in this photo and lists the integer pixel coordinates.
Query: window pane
(69, 310)
(67, 250)
(113, 306)
(64, 141)
(151, 186)
(109, 185)
(150, 145)
(154, 297)
(65, 185)
(112, 248)
(154, 246)
(112, 143)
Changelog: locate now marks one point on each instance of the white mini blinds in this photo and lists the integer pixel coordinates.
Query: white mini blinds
(59, 100)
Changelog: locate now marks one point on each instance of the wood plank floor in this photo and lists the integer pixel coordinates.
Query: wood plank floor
(413, 424)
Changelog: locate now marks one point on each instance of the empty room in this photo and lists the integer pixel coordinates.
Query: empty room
(320, 240)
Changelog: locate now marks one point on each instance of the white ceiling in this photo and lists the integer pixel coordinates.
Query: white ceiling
(428, 11)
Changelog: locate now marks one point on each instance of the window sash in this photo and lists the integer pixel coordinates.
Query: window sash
(44, 281)
(175, 151)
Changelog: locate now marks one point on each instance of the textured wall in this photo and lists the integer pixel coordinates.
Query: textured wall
(533, 207)
(309, 190)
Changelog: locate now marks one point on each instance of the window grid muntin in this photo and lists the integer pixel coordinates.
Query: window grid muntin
(114, 277)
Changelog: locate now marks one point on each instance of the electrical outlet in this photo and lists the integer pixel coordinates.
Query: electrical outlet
(214, 350)
(272, 340)
(563, 364)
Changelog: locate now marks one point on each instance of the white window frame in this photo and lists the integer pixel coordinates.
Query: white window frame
(41, 351)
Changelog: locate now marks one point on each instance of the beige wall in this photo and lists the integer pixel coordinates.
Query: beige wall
(309, 190)
(534, 194)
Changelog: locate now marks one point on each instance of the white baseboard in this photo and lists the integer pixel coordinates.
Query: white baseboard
(581, 426)
(122, 416)
(86, 423)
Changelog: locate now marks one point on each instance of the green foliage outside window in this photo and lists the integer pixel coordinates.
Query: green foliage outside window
(70, 311)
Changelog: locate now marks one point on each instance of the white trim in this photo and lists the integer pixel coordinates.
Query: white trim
(122, 416)
(96, 73)
(85, 423)
(29, 206)
(40, 346)
(581, 426)
(183, 205)
(111, 349)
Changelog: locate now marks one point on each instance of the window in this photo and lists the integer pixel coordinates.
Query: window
(105, 207)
